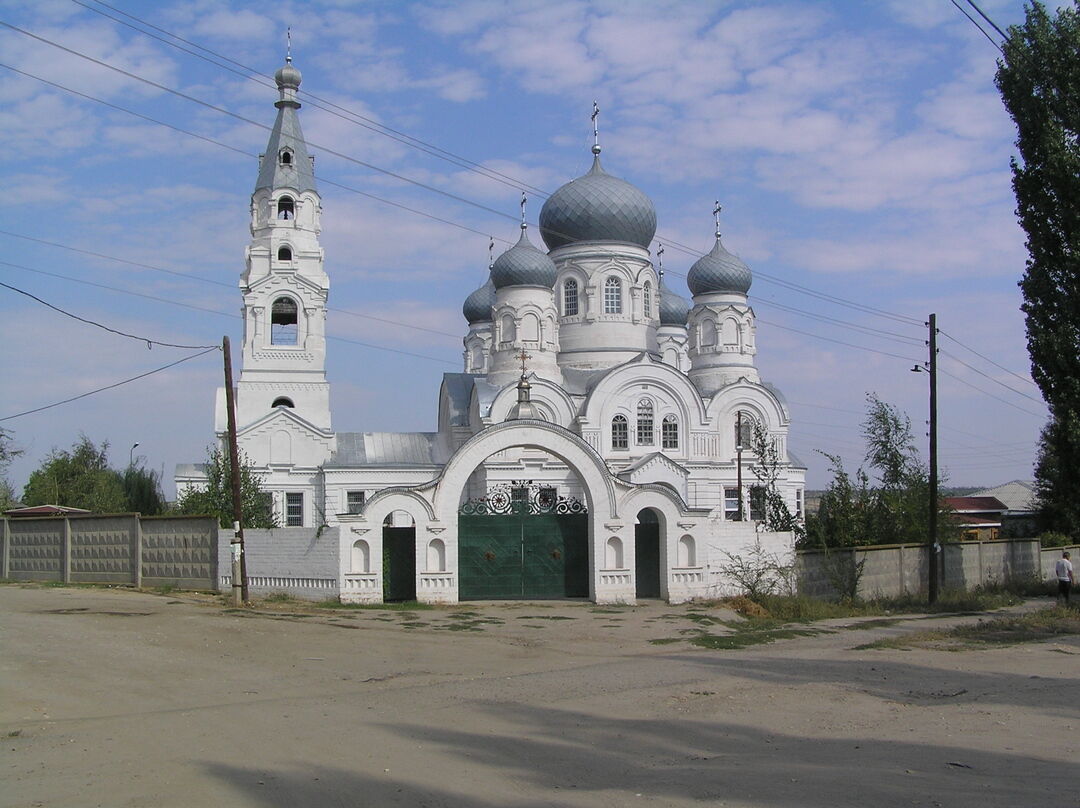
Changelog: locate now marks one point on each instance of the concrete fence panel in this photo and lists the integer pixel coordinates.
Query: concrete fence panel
(103, 549)
(34, 549)
(179, 551)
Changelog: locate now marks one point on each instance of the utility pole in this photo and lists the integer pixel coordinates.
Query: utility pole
(239, 566)
(934, 582)
(738, 460)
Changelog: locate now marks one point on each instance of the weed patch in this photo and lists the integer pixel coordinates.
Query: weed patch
(1039, 626)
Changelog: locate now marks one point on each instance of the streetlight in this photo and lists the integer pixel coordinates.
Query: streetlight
(131, 454)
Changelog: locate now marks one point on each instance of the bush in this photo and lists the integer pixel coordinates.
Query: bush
(1054, 539)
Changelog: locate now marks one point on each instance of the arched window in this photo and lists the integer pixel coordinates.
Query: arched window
(284, 253)
(669, 432)
(613, 558)
(283, 322)
(687, 552)
(282, 401)
(708, 333)
(646, 298)
(530, 327)
(744, 431)
(620, 432)
(612, 296)
(645, 423)
(508, 328)
(436, 556)
(361, 556)
(729, 331)
(286, 208)
(286, 157)
(570, 307)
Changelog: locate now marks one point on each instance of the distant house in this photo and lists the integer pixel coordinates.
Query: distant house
(979, 518)
(1018, 496)
(45, 510)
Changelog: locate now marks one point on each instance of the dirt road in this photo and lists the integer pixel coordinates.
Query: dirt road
(116, 698)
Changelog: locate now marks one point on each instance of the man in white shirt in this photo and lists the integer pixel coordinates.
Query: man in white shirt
(1064, 571)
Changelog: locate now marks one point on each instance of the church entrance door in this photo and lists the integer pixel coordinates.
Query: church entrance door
(647, 554)
(399, 563)
(530, 546)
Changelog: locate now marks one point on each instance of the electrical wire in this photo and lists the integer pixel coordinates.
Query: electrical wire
(993, 24)
(991, 378)
(111, 386)
(991, 395)
(1022, 378)
(975, 22)
(836, 341)
(149, 342)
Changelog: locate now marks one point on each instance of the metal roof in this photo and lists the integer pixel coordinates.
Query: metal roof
(384, 449)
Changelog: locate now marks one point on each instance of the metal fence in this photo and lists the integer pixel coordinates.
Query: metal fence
(179, 551)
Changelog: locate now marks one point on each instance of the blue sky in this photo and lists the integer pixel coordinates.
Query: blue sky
(860, 151)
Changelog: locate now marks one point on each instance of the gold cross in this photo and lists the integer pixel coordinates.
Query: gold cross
(523, 356)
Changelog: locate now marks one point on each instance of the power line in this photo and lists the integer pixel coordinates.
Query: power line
(149, 342)
(991, 395)
(976, 24)
(1024, 379)
(873, 332)
(837, 341)
(111, 386)
(172, 302)
(992, 23)
(763, 275)
(991, 378)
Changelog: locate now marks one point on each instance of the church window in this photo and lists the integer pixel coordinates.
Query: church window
(708, 333)
(757, 503)
(286, 208)
(286, 157)
(508, 328)
(282, 401)
(731, 504)
(283, 321)
(744, 433)
(620, 433)
(570, 300)
(687, 552)
(798, 503)
(294, 509)
(646, 297)
(669, 432)
(354, 501)
(645, 423)
(730, 332)
(612, 296)
(361, 557)
(284, 253)
(530, 327)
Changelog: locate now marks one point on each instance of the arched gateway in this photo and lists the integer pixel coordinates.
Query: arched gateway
(517, 545)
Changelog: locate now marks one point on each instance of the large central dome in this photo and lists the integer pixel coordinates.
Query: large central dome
(597, 207)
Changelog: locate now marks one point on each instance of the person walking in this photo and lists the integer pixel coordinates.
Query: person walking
(1064, 571)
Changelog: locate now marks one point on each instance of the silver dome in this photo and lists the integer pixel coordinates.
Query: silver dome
(674, 309)
(719, 271)
(477, 307)
(288, 76)
(523, 265)
(597, 207)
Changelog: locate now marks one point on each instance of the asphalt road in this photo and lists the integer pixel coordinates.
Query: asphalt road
(118, 698)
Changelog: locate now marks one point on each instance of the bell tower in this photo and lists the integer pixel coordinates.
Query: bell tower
(284, 285)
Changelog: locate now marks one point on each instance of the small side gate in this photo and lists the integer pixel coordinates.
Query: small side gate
(514, 544)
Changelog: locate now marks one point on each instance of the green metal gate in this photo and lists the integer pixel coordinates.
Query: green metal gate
(526, 548)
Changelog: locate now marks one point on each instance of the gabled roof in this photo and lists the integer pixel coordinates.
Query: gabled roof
(1018, 495)
(45, 510)
(976, 504)
(384, 449)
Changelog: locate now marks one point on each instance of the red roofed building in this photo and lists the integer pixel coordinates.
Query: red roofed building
(979, 518)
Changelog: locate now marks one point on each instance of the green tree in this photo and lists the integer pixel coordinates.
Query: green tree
(142, 489)
(767, 468)
(216, 498)
(1039, 81)
(80, 478)
(8, 452)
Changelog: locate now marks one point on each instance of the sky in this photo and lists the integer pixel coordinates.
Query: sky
(860, 152)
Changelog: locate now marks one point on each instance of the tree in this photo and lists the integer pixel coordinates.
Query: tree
(1039, 81)
(80, 478)
(766, 468)
(216, 498)
(8, 452)
(142, 489)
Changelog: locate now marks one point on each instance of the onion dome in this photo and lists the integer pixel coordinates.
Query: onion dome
(523, 265)
(719, 271)
(674, 309)
(597, 207)
(477, 308)
(288, 76)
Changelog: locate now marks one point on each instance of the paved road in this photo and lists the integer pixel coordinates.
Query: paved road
(116, 698)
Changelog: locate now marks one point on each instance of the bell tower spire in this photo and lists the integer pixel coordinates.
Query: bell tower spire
(284, 284)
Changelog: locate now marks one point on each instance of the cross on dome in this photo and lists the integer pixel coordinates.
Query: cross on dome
(595, 128)
(716, 215)
(523, 357)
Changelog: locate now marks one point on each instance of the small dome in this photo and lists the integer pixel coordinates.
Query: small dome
(287, 76)
(523, 265)
(719, 271)
(598, 207)
(477, 308)
(674, 309)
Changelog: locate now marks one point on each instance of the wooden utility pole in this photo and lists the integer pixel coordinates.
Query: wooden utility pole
(934, 582)
(738, 460)
(239, 565)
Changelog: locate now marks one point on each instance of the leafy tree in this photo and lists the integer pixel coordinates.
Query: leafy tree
(216, 499)
(80, 478)
(1039, 81)
(8, 452)
(142, 489)
(767, 468)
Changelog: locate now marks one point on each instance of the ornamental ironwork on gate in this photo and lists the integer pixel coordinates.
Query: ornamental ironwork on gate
(522, 497)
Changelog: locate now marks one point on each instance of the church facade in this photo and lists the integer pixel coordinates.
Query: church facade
(599, 441)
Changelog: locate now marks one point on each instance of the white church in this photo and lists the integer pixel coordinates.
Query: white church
(595, 444)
